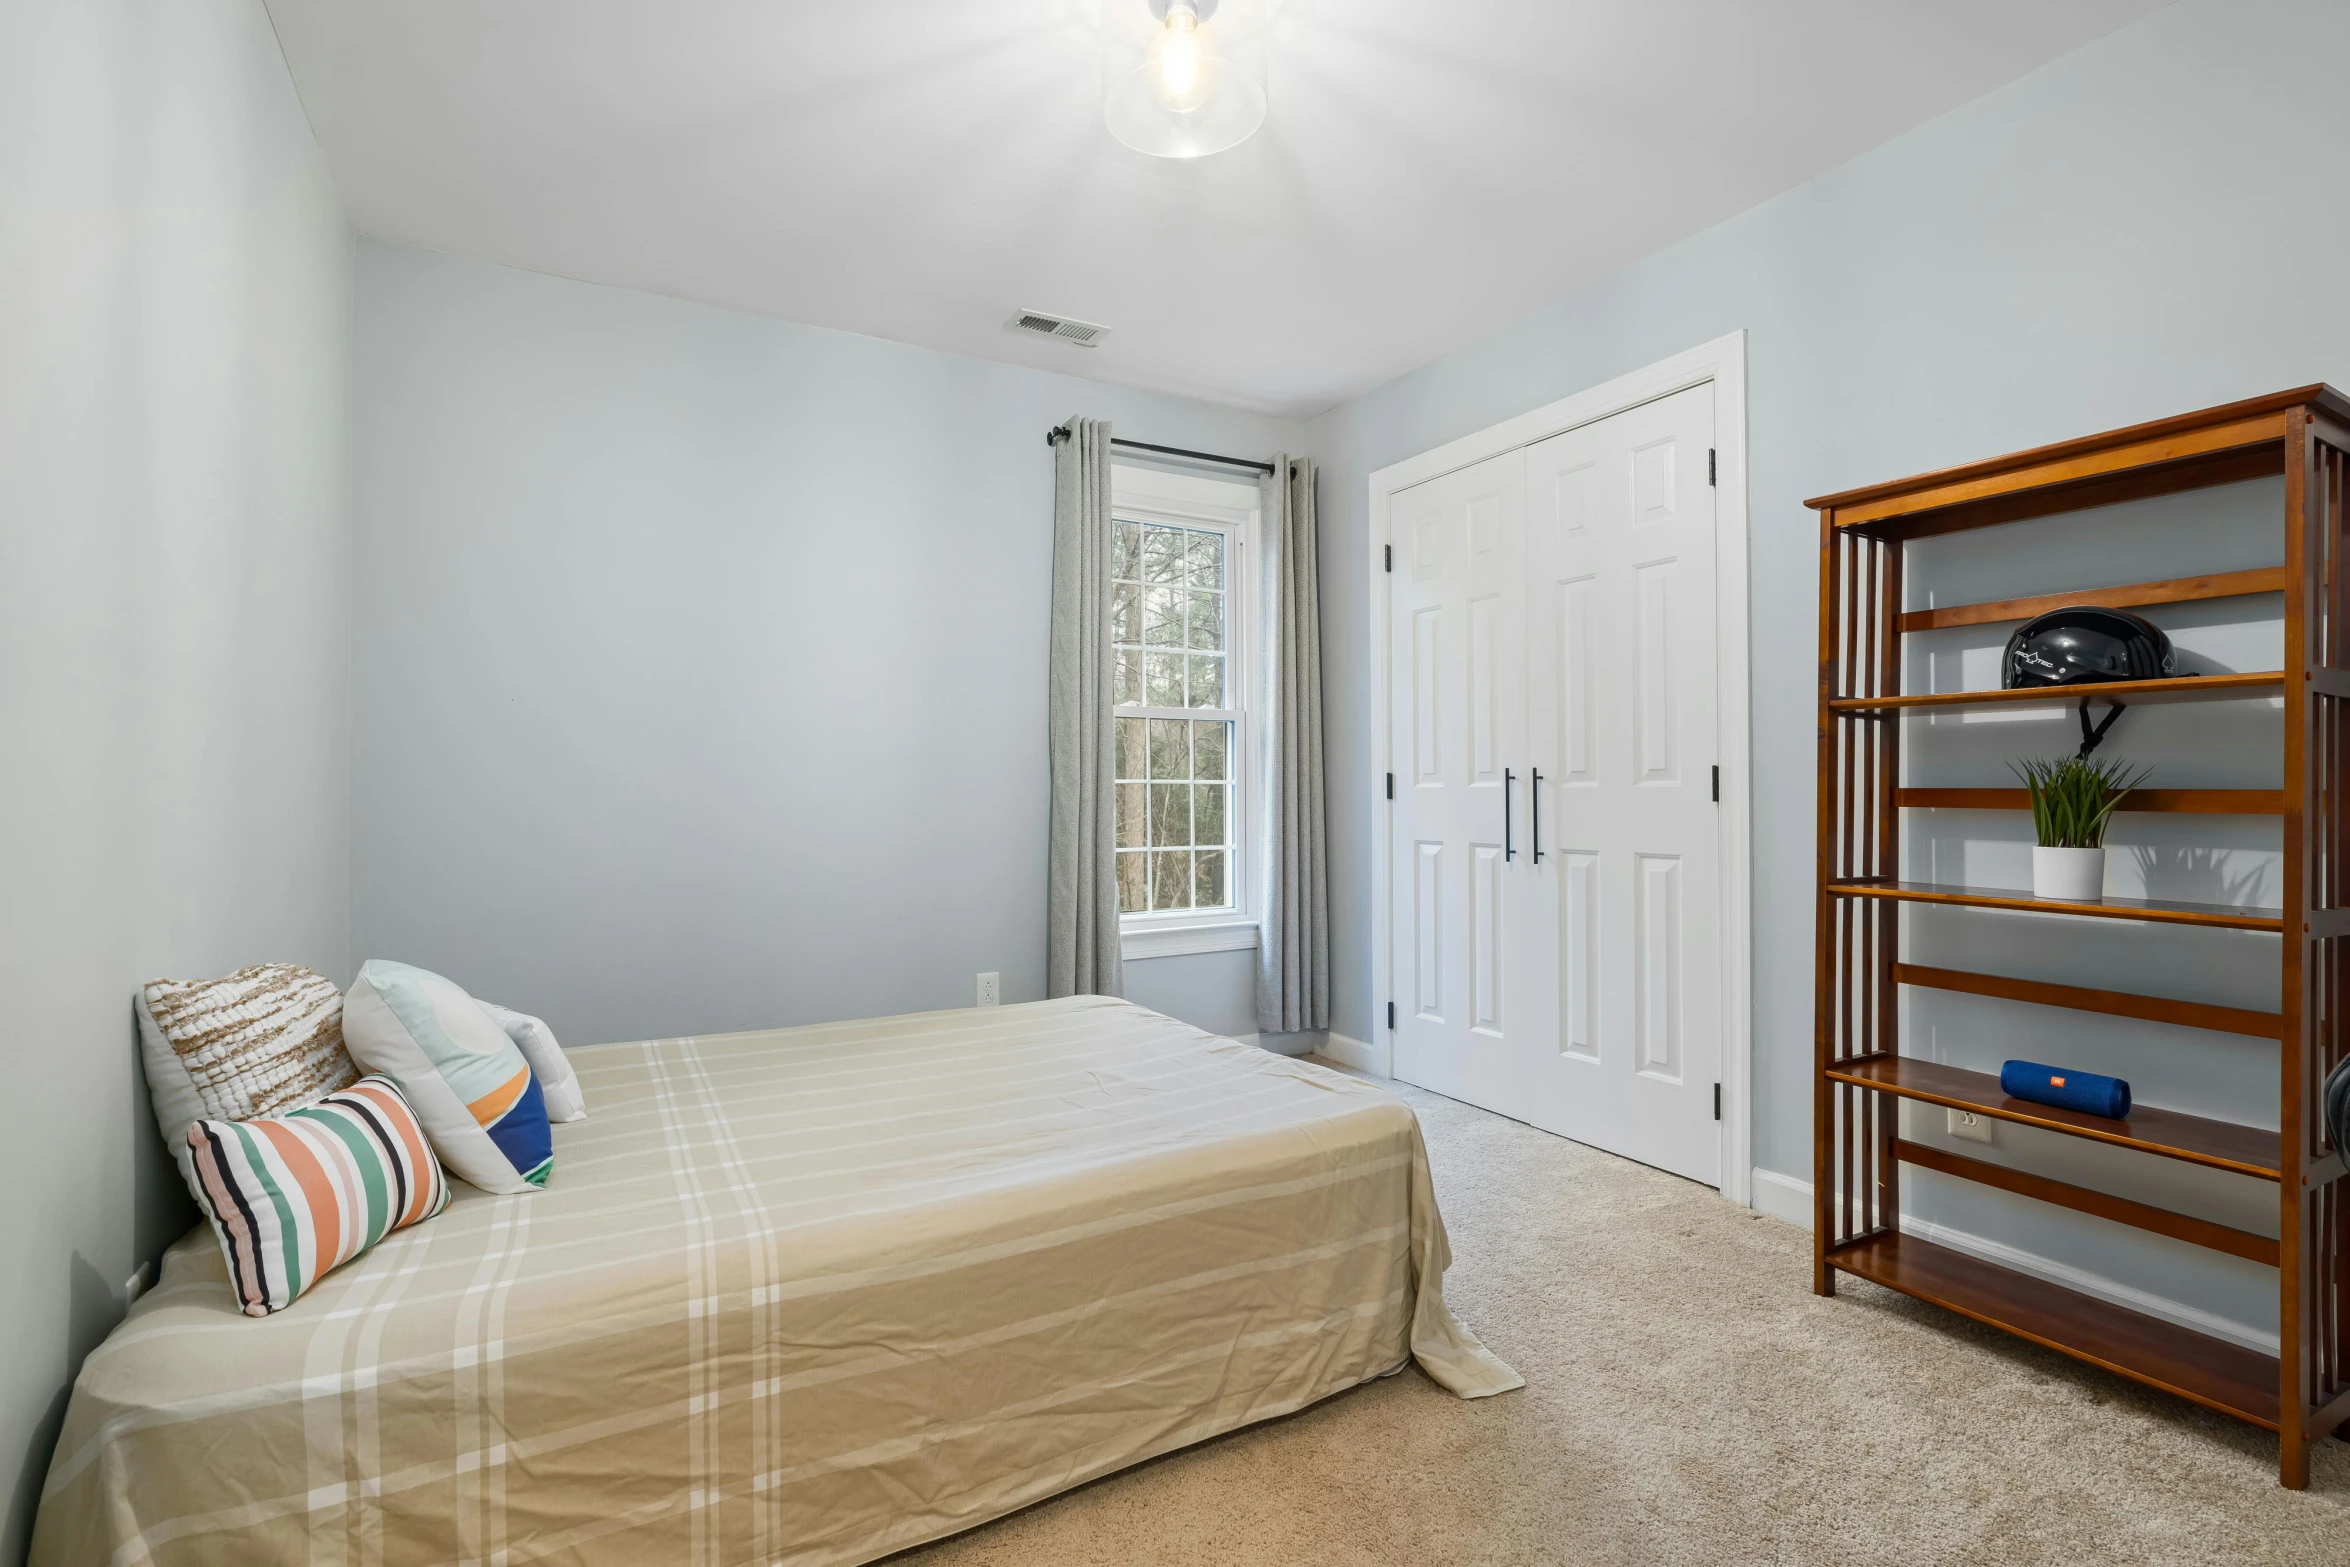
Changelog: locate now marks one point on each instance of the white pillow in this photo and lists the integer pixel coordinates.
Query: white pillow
(264, 1040)
(470, 1086)
(557, 1081)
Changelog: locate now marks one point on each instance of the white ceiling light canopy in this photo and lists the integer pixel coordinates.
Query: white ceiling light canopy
(1178, 81)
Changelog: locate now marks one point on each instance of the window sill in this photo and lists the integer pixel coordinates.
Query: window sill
(1170, 941)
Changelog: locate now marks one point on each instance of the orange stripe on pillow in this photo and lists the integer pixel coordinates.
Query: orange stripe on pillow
(500, 1099)
(318, 1190)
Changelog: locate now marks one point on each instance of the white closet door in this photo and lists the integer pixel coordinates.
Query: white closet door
(1457, 718)
(1624, 1047)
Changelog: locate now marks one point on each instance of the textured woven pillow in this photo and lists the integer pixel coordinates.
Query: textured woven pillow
(548, 1064)
(293, 1197)
(470, 1084)
(261, 1041)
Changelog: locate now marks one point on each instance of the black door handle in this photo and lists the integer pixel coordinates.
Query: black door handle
(1534, 794)
(1509, 849)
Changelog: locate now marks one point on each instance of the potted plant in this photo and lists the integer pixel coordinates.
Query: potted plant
(2072, 799)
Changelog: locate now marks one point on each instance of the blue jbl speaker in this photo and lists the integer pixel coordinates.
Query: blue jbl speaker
(2086, 1092)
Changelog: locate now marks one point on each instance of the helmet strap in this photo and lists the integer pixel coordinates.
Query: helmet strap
(2091, 739)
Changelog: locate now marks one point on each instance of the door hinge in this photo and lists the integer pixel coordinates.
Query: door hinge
(1717, 785)
(1391, 786)
(1391, 1017)
(1717, 1101)
(1390, 556)
(1710, 453)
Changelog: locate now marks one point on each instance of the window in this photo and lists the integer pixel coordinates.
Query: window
(1180, 613)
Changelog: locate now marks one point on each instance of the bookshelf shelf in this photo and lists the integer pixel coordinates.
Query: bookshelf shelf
(2158, 910)
(2135, 693)
(2210, 1371)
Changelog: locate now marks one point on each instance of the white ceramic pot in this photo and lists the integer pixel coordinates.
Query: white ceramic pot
(2074, 875)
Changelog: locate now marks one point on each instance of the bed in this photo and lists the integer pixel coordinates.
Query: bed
(810, 1295)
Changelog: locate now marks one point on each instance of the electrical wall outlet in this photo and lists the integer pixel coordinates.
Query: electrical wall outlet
(1970, 1126)
(991, 989)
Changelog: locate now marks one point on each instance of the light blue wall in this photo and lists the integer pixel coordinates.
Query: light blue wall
(1215, 990)
(2149, 225)
(174, 579)
(701, 656)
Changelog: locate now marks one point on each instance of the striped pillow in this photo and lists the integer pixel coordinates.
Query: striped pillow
(293, 1196)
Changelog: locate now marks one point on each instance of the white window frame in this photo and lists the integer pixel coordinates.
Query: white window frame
(1236, 509)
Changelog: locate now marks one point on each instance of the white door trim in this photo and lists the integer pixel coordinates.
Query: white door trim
(1723, 362)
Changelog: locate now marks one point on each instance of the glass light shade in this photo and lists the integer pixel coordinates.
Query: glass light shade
(1187, 92)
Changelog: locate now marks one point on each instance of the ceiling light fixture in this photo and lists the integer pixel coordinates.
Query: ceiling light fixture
(1177, 87)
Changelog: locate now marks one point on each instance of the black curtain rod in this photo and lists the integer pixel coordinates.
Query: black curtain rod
(1060, 433)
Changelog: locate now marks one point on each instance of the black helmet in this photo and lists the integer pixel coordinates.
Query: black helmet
(2082, 644)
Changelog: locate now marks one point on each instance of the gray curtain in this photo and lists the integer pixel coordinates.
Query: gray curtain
(1293, 953)
(1081, 900)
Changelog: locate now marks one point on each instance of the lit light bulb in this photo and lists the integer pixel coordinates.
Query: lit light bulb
(1182, 63)
(1192, 90)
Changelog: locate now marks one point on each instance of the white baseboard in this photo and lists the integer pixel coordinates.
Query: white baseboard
(1354, 1053)
(1788, 1197)
(1783, 1197)
(1304, 1043)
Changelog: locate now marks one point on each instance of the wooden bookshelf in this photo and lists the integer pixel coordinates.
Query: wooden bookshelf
(1860, 1077)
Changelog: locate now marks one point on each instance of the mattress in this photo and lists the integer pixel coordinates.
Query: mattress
(809, 1295)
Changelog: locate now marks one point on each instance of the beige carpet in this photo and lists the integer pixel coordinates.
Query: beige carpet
(1688, 1399)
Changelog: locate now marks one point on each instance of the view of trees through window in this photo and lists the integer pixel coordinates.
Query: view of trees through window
(1175, 721)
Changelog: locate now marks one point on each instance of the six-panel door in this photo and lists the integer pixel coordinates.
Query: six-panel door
(1621, 724)
(1458, 683)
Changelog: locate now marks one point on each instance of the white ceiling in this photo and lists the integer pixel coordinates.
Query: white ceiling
(918, 169)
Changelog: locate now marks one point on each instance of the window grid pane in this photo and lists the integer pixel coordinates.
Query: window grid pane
(1208, 878)
(1171, 879)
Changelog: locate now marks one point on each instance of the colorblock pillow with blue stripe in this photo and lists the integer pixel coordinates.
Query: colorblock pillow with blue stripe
(470, 1085)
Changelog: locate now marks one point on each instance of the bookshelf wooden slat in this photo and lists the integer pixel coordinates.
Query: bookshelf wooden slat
(2148, 455)
(2158, 910)
(2178, 590)
(1843, 501)
(2208, 471)
(2132, 693)
(2097, 1204)
(2113, 1003)
(2194, 802)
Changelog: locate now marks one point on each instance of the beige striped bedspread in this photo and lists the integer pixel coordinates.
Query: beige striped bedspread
(804, 1296)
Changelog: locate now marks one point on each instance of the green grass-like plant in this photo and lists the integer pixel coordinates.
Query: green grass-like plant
(2072, 799)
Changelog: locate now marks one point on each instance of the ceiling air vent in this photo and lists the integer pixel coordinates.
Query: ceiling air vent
(1083, 333)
